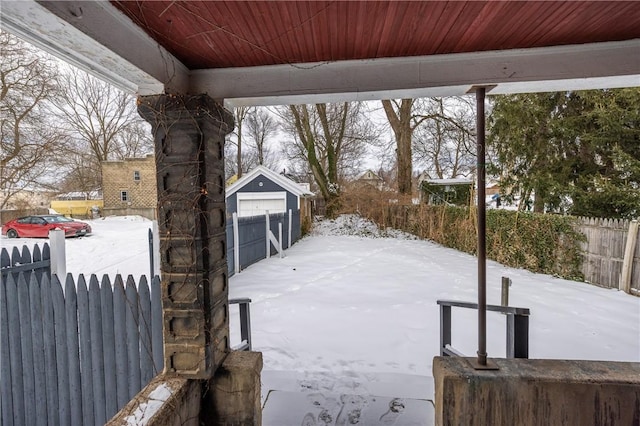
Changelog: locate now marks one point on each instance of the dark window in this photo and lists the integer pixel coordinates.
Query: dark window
(136, 175)
(124, 196)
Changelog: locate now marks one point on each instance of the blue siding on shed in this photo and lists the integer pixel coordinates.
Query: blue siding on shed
(267, 186)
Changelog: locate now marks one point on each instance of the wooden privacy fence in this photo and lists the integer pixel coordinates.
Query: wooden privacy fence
(251, 235)
(76, 355)
(604, 252)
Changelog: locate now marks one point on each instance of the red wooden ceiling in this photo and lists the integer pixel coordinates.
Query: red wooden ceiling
(219, 34)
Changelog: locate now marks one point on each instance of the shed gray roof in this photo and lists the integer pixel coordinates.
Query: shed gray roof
(284, 182)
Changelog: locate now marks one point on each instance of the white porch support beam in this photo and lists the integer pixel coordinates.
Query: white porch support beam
(98, 38)
(573, 67)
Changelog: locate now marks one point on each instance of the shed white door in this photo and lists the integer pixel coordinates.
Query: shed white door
(256, 203)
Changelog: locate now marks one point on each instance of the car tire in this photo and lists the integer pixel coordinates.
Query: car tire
(12, 233)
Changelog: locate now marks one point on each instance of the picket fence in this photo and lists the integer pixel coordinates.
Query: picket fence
(76, 355)
(23, 261)
(604, 250)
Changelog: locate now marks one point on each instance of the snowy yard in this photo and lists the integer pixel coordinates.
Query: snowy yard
(349, 311)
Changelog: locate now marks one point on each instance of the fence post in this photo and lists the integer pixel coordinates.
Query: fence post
(290, 224)
(280, 239)
(236, 244)
(266, 234)
(156, 249)
(627, 264)
(445, 328)
(58, 253)
(506, 283)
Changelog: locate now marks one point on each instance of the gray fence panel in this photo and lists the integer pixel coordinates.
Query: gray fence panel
(59, 359)
(109, 347)
(122, 368)
(97, 359)
(26, 342)
(39, 372)
(15, 356)
(133, 342)
(5, 367)
(62, 364)
(146, 352)
(86, 365)
(156, 325)
(230, 246)
(49, 336)
(73, 350)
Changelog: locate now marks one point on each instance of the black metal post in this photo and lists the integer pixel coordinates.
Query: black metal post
(151, 258)
(482, 249)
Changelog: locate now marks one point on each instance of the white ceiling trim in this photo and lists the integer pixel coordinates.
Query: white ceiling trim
(98, 38)
(587, 66)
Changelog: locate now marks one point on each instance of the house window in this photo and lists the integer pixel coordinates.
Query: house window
(136, 175)
(124, 196)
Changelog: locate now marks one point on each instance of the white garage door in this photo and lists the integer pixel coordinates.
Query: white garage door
(256, 203)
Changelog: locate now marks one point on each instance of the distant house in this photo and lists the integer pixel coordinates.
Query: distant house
(455, 191)
(129, 187)
(372, 179)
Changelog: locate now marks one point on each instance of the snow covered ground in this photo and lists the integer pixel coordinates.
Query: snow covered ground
(351, 309)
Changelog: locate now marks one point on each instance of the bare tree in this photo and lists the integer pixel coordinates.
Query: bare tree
(405, 116)
(329, 141)
(240, 115)
(101, 119)
(445, 144)
(28, 140)
(261, 126)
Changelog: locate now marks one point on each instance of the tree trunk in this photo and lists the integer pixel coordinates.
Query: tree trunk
(400, 122)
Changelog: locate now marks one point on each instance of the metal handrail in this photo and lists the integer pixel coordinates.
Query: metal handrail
(245, 323)
(517, 327)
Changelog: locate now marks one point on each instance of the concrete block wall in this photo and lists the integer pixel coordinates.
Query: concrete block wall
(118, 176)
(523, 392)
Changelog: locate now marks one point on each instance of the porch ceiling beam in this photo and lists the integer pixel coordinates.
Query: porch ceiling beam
(574, 67)
(99, 39)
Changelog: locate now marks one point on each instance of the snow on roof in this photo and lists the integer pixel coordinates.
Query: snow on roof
(283, 181)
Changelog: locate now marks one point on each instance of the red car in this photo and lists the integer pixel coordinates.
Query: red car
(39, 227)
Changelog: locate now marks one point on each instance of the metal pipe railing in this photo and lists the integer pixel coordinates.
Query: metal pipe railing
(517, 327)
(245, 323)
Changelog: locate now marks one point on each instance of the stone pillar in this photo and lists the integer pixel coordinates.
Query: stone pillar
(189, 136)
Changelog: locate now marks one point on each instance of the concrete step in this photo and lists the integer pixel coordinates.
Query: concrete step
(328, 398)
(283, 408)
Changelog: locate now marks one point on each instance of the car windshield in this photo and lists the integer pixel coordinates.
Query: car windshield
(57, 219)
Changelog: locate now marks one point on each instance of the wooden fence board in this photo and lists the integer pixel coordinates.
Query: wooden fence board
(73, 350)
(109, 347)
(26, 342)
(86, 366)
(35, 306)
(133, 342)
(156, 325)
(97, 359)
(62, 363)
(144, 321)
(15, 357)
(6, 396)
(122, 368)
(48, 331)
